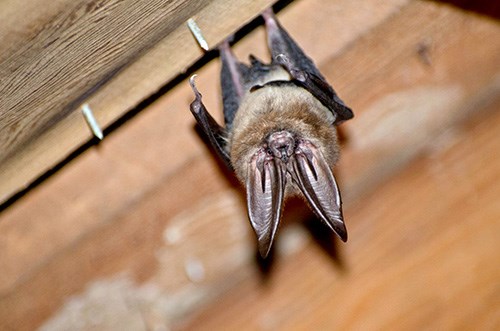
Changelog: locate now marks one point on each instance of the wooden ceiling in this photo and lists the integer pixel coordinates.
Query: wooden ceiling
(145, 231)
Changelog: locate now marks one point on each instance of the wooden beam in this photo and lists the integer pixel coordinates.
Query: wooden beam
(127, 217)
(109, 54)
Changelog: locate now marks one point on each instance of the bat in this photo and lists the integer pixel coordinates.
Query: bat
(279, 136)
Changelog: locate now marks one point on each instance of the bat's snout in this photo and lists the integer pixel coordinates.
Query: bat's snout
(281, 144)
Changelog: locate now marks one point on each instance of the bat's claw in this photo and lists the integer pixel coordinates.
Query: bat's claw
(196, 105)
(193, 86)
(297, 74)
(283, 60)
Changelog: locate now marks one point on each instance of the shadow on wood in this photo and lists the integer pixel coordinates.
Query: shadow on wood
(326, 239)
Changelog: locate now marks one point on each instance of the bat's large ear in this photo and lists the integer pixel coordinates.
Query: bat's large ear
(265, 186)
(316, 181)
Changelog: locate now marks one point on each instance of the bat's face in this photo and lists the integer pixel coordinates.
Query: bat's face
(282, 143)
(279, 122)
(281, 154)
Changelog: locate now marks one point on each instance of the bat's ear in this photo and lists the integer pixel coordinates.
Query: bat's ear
(315, 179)
(265, 187)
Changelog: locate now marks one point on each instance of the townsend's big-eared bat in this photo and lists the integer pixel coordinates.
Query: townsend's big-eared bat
(280, 137)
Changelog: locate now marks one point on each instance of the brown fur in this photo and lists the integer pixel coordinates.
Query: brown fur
(276, 108)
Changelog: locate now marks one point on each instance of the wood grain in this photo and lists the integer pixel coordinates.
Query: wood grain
(407, 101)
(108, 240)
(422, 255)
(111, 54)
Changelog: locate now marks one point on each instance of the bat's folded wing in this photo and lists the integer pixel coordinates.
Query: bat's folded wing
(214, 132)
(286, 52)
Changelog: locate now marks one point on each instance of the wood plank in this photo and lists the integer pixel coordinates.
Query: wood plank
(111, 55)
(422, 255)
(408, 99)
(102, 196)
(128, 206)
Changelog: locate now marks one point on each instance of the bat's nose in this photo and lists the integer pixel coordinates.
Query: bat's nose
(282, 144)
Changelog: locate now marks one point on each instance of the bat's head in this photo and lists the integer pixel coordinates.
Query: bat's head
(286, 145)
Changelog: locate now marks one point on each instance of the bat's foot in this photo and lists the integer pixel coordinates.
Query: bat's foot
(226, 51)
(224, 45)
(268, 16)
(272, 25)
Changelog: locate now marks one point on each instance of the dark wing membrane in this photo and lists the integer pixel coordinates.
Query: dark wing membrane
(212, 130)
(280, 42)
(286, 52)
(231, 79)
(315, 179)
(265, 189)
(237, 79)
(320, 89)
